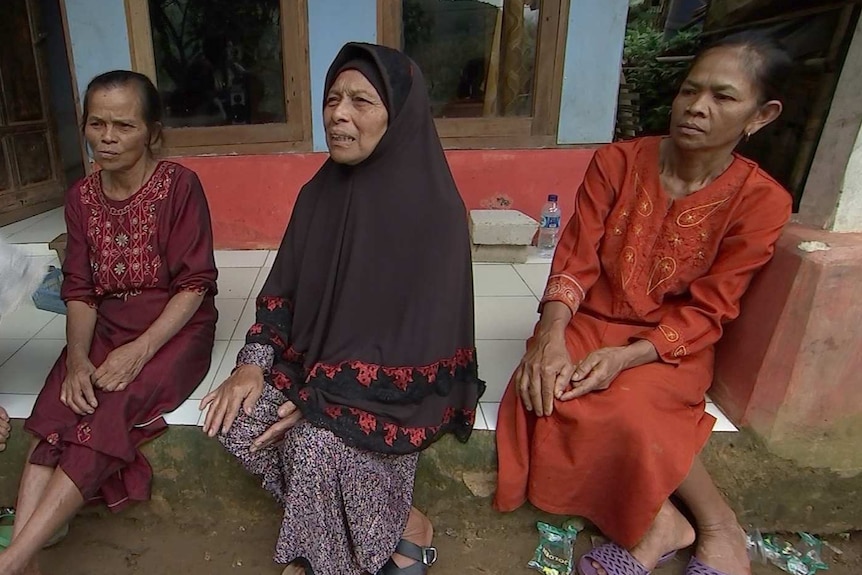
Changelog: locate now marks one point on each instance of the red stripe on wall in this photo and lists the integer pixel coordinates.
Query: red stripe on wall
(251, 197)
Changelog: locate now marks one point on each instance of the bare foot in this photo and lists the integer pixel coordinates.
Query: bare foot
(723, 547)
(12, 568)
(5, 428)
(293, 569)
(670, 531)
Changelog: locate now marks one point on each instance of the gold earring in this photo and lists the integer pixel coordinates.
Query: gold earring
(747, 136)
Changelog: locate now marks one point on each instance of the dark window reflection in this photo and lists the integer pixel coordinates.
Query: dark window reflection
(478, 56)
(219, 62)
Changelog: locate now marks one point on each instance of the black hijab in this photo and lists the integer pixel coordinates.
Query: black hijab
(369, 304)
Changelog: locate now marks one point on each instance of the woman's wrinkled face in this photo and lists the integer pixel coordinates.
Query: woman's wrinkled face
(719, 102)
(115, 127)
(355, 118)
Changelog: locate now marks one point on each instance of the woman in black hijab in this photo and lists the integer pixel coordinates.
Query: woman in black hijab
(363, 353)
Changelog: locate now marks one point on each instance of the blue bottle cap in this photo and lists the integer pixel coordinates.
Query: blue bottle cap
(552, 198)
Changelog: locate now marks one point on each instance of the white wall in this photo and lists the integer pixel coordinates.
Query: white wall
(97, 33)
(591, 76)
(848, 215)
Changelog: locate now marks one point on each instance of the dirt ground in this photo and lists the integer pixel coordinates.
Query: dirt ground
(471, 540)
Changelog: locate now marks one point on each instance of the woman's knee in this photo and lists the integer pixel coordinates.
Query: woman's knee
(242, 433)
(238, 441)
(87, 468)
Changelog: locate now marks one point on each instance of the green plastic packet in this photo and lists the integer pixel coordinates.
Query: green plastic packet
(555, 553)
(801, 559)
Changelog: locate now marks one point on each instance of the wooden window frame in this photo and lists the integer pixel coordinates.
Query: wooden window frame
(538, 130)
(294, 135)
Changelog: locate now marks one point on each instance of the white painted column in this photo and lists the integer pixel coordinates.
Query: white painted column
(591, 75)
(99, 39)
(848, 214)
(331, 24)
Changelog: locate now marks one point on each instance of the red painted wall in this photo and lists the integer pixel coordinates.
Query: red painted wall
(789, 367)
(251, 197)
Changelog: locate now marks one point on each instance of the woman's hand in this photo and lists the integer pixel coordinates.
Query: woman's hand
(5, 428)
(600, 368)
(242, 389)
(596, 372)
(121, 367)
(76, 392)
(544, 372)
(288, 416)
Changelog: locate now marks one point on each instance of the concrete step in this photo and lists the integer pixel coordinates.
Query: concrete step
(196, 478)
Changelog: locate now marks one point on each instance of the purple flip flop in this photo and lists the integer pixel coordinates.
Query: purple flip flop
(615, 560)
(698, 567)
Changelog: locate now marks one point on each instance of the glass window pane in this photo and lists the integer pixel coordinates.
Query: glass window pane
(478, 56)
(33, 156)
(18, 64)
(219, 62)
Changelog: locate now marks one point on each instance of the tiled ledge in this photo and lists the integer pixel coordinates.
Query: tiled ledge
(506, 304)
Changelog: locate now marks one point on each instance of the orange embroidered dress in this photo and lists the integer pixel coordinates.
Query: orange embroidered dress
(635, 264)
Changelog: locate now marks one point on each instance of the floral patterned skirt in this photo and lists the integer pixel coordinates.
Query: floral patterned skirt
(345, 509)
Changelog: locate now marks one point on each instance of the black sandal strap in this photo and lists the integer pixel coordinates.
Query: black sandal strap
(391, 568)
(424, 557)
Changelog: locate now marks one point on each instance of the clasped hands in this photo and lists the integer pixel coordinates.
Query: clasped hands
(547, 373)
(241, 391)
(120, 368)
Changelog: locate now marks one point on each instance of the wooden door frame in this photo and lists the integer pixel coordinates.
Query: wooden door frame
(539, 129)
(33, 12)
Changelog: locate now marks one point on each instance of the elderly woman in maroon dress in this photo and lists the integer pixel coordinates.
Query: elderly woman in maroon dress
(362, 353)
(139, 282)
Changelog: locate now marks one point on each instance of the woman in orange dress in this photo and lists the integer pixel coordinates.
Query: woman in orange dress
(604, 418)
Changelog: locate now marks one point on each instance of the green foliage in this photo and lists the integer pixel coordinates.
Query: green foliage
(443, 39)
(417, 25)
(655, 82)
(181, 26)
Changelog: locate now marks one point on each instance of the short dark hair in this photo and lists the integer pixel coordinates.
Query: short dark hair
(766, 59)
(151, 102)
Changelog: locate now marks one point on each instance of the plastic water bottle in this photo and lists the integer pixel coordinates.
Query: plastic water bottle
(549, 227)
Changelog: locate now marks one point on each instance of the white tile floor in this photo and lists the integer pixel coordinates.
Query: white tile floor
(507, 298)
(35, 233)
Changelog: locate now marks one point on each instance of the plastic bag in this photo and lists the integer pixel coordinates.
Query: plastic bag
(555, 553)
(801, 559)
(19, 276)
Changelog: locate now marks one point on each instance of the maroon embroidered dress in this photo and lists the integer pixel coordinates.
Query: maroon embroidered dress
(127, 259)
(366, 324)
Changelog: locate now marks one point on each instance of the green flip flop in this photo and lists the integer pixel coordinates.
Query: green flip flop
(7, 518)
(7, 521)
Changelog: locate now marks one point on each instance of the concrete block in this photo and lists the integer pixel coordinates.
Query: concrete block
(502, 227)
(788, 367)
(500, 254)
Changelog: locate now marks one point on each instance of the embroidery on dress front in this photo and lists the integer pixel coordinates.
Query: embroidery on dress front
(123, 256)
(664, 270)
